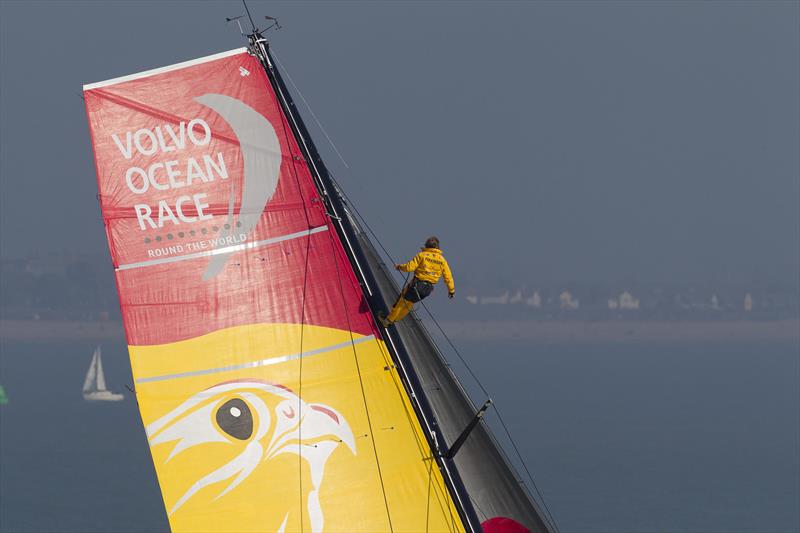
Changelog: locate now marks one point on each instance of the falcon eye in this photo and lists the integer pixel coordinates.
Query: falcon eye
(235, 419)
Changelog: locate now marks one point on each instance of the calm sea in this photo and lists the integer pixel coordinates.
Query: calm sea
(620, 438)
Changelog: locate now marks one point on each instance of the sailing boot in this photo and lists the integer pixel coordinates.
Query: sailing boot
(384, 322)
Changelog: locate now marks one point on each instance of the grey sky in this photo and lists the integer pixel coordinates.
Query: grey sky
(592, 141)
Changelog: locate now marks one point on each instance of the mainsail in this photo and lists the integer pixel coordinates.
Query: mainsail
(94, 385)
(90, 383)
(270, 399)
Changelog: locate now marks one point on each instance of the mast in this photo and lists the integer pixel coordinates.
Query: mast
(337, 211)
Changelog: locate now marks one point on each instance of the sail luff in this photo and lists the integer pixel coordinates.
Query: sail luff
(357, 258)
(89, 382)
(101, 377)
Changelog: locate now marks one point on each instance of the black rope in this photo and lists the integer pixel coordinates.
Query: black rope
(428, 501)
(302, 319)
(387, 360)
(300, 379)
(360, 380)
(478, 507)
(424, 448)
(548, 517)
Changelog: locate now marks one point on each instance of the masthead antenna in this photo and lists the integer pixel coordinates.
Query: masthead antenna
(275, 24)
(253, 24)
(238, 22)
(272, 23)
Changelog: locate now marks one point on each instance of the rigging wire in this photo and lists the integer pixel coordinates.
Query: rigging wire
(549, 516)
(360, 380)
(351, 334)
(300, 379)
(428, 507)
(425, 449)
(302, 326)
(349, 328)
(352, 341)
(313, 115)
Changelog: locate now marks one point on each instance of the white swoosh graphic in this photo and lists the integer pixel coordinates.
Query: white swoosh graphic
(261, 153)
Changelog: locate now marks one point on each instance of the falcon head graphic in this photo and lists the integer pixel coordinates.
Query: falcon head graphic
(253, 422)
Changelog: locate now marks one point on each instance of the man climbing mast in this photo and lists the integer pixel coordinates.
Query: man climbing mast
(428, 266)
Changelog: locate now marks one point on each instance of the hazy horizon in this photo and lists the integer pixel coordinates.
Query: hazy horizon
(586, 141)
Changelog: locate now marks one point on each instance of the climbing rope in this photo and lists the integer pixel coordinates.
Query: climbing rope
(548, 516)
(302, 320)
(360, 379)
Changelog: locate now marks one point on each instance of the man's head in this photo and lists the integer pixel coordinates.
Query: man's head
(432, 242)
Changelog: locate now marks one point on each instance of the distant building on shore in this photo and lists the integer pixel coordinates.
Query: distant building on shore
(568, 303)
(503, 299)
(534, 301)
(748, 303)
(627, 301)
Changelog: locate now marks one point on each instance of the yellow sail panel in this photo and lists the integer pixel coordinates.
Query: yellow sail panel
(248, 434)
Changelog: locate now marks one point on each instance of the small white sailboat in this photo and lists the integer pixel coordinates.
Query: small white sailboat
(94, 386)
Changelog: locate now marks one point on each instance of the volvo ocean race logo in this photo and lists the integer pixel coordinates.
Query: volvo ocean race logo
(260, 422)
(187, 213)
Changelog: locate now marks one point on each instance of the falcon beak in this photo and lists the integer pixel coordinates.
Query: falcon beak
(319, 423)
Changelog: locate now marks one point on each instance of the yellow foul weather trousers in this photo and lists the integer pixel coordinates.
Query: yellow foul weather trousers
(400, 310)
(415, 291)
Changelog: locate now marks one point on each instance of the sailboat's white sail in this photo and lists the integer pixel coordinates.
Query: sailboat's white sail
(91, 374)
(94, 386)
(101, 377)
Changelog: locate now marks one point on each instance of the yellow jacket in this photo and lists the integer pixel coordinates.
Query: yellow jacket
(430, 265)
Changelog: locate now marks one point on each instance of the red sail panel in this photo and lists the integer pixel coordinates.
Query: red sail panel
(168, 168)
(269, 400)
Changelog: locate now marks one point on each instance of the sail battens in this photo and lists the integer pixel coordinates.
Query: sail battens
(223, 250)
(256, 364)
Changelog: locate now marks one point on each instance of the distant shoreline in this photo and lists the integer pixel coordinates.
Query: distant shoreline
(477, 330)
(625, 331)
